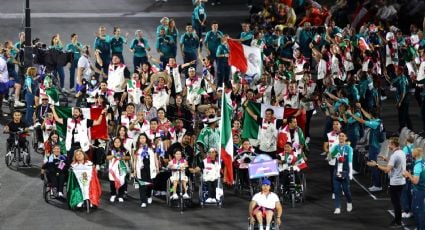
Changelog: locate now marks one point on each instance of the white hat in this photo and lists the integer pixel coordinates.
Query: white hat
(389, 36)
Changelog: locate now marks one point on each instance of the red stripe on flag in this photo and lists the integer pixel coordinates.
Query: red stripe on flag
(116, 179)
(227, 160)
(237, 56)
(95, 191)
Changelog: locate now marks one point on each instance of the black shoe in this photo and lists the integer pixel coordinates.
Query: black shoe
(395, 225)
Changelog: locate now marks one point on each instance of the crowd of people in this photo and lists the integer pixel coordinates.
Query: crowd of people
(162, 113)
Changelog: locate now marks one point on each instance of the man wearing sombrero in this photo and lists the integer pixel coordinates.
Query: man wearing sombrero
(209, 137)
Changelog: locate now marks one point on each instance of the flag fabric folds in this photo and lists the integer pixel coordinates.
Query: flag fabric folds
(245, 58)
(83, 184)
(227, 139)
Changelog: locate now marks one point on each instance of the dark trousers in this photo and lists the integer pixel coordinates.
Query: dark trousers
(309, 115)
(57, 180)
(59, 71)
(418, 208)
(395, 194)
(345, 184)
(211, 186)
(403, 116)
(376, 174)
(331, 173)
(223, 72)
(145, 191)
(114, 190)
(72, 69)
(161, 181)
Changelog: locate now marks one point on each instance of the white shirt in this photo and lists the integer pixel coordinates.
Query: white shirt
(4, 74)
(268, 201)
(84, 63)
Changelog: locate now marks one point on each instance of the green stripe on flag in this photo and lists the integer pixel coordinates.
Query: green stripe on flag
(64, 113)
(226, 129)
(53, 93)
(250, 126)
(75, 195)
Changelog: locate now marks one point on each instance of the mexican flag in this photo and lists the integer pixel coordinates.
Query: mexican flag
(96, 132)
(226, 138)
(52, 93)
(117, 172)
(83, 184)
(251, 127)
(301, 164)
(245, 58)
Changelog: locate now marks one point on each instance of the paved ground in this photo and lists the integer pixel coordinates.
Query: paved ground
(21, 203)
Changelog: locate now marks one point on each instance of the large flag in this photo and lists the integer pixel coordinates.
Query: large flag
(226, 138)
(245, 58)
(118, 171)
(96, 132)
(251, 127)
(52, 93)
(83, 184)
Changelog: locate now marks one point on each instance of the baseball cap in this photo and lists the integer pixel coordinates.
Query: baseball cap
(266, 182)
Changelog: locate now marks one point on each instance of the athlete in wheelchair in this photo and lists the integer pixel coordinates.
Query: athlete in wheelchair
(265, 208)
(292, 181)
(54, 172)
(18, 130)
(178, 167)
(245, 156)
(210, 180)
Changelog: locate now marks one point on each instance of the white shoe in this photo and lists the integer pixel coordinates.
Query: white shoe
(31, 128)
(120, 199)
(333, 196)
(150, 200)
(97, 167)
(40, 145)
(209, 200)
(324, 154)
(112, 199)
(79, 205)
(337, 211)
(375, 189)
(406, 215)
(355, 172)
(157, 193)
(65, 90)
(143, 205)
(186, 196)
(267, 227)
(349, 207)
(163, 193)
(403, 215)
(18, 104)
(307, 140)
(60, 194)
(174, 197)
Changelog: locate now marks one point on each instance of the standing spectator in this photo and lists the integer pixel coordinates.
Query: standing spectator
(395, 168)
(103, 44)
(343, 172)
(305, 37)
(174, 33)
(4, 80)
(199, 18)
(406, 194)
(418, 180)
(139, 47)
(213, 40)
(333, 140)
(164, 46)
(30, 88)
(189, 43)
(56, 44)
(21, 68)
(117, 43)
(246, 35)
(75, 47)
(223, 68)
(164, 25)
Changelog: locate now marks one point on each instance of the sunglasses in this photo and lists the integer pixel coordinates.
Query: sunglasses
(44, 99)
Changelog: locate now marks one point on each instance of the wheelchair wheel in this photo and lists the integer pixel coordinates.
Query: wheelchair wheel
(8, 159)
(303, 186)
(293, 199)
(17, 156)
(201, 192)
(27, 155)
(167, 197)
(46, 189)
(87, 202)
(238, 187)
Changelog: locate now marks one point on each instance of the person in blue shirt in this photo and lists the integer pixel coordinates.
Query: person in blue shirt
(56, 44)
(406, 193)
(223, 68)
(343, 171)
(139, 47)
(213, 40)
(174, 33)
(376, 129)
(199, 17)
(418, 180)
(75, 47)
(189, 43)
(401, 83)
(164, 25)
(246, 35)
(117, 43)
(353, 132)
(103, 44)
(30, 88)
(285, 42)
(304, 39)
(165, 47)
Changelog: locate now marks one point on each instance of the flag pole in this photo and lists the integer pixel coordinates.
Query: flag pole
(221, 125)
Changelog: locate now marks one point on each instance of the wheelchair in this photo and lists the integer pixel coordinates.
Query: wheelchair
(49, 193)
(242, 181)
(273, 224)
(15, 153)
(181, 202)
(294, 191)
(203, 194)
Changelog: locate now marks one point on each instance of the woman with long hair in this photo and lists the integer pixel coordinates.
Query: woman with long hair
(117, 156)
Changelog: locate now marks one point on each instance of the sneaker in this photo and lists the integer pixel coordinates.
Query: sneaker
(18, 104)
(383, 98)
(209, 200)
(333, 196)
(150, 200)
(143, 205)
(5, 100)
(79, 205)
(403, 215)
(60, 194)
(97, 167)
(174, 197)
(65, 90)
(337, 211)
(163, 193)
(307, 140)
(324, 154)
(393, 224)
(40, 145)
(157, 193)
(186, 196)
(120, 199)
(349, 207)
(31, 128)
(406, 215)
(112, 199)
(375, 189)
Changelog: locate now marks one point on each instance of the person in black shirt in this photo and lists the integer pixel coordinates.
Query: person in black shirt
(16, 125)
